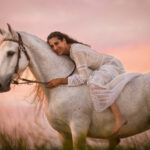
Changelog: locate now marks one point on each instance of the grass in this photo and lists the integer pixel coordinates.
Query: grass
(8, 143)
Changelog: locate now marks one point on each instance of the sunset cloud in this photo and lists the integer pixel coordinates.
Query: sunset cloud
(136, 58)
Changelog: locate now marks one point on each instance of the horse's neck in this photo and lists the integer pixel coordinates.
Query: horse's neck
(45, 64)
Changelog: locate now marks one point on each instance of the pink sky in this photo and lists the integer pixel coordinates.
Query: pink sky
(107, 25)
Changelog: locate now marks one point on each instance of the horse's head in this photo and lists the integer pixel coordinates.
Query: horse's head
(13, 57)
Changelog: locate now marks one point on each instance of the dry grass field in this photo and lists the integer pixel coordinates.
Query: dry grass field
(20, 121)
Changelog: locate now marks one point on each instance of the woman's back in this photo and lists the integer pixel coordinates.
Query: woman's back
(82, 52)
(92, 58)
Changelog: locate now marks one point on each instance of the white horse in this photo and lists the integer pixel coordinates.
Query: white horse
(70, 110)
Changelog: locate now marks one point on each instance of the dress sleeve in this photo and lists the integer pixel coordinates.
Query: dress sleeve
(79, 58)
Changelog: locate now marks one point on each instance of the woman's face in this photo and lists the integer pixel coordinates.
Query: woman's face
(60, 47)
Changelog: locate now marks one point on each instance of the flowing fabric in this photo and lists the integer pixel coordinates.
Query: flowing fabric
(104, 68)
(104, 98)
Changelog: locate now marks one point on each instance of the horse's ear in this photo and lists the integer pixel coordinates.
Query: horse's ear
(11, 31)
(2, 32)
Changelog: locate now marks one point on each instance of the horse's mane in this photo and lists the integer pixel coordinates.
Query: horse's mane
(41, 44)
(39, 95)
(37, 91)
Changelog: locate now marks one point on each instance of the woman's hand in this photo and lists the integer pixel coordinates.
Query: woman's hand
(56, 82)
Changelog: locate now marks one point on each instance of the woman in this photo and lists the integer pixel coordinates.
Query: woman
(104, 67)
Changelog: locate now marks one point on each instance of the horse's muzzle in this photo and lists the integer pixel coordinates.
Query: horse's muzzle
(5, 84)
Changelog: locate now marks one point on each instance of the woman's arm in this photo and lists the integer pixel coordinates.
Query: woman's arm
(79, 58)
(82, 69)
(64, 80)
(56, 82)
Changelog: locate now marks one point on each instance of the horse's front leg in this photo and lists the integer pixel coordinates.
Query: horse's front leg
(79, 128)
(66, 141)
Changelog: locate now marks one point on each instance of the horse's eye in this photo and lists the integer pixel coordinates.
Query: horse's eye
(10, 53)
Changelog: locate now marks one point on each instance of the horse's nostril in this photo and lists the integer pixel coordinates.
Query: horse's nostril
(0, 85)
(9, 81)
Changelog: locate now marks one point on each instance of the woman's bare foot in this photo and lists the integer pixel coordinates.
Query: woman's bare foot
(118, 125)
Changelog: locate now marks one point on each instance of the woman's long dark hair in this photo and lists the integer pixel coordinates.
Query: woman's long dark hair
(62, 36)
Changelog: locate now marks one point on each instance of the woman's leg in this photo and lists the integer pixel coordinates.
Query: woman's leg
(119, 119)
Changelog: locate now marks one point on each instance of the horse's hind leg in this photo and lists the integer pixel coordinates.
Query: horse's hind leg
(79, 130)
(113, 142)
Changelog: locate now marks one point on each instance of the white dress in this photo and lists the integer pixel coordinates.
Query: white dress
(104, 69)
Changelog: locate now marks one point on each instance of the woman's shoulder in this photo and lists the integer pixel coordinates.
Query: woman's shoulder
(77, 47)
